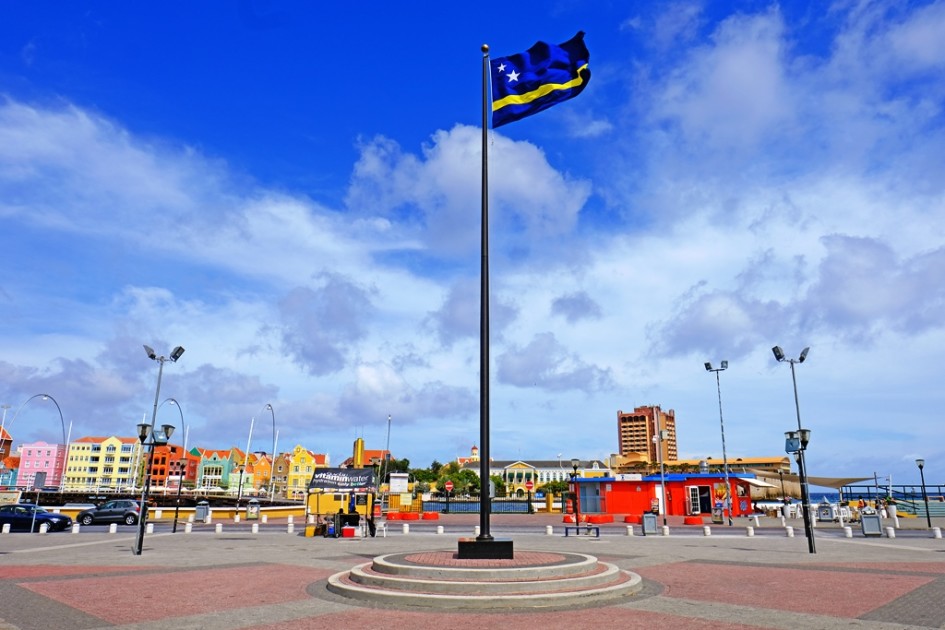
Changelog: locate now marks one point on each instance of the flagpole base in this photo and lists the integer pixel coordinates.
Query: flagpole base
(495, 549)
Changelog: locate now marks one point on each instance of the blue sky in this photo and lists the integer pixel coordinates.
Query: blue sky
(291, 192)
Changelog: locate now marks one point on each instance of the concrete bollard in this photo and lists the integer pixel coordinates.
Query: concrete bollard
(219, 528)
(6, 528)
(158, 513)
(706, 530)
(236, 518)
(291, 519)
(549, 530)
(190, 518)
(629, 530)
(936, 532)
(666, 530)
(264, 518)
(113, 528)
(896, 521)
(848, 532)
(149, 528)
(44, 528)
(783, 522)
(255, 528)
(439, 529)
(789, 531)
(188, 527)
(476, 530)
(405, 528)
(290, 528)
(209, 518)
(75, 528)
(749, 531)
(890, 532)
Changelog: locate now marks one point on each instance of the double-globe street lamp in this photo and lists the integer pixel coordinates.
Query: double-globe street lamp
(799, 440)
(925, 497)
(145, 430)
(728, 486)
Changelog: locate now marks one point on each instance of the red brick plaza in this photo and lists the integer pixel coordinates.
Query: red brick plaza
(273, 579)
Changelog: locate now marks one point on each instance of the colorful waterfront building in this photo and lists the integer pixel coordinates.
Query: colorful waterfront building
(41, 458)
(9, 468)
(103, 464)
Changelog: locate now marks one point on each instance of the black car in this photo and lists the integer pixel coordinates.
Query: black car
(24, 516)
(124, 511)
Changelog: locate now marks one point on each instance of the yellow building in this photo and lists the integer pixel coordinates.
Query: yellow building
(103, 464)
(294, 469)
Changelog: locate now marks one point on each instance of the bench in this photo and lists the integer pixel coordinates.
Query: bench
(577, 530)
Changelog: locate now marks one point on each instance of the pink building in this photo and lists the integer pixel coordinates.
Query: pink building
(41, 457)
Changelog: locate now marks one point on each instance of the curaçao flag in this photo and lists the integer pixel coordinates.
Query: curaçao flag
(542, 76)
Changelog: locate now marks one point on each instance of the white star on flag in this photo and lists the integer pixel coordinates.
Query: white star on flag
(513, 76)
(501, 67)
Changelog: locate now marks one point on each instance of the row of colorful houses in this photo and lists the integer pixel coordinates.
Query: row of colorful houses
(116, 464)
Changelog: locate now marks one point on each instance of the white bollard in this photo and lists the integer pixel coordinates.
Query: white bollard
(149, 528)
(6, 528)
(158, 513)
(113, 528)
(264, 518)
(757, 522)
(706, 530)
(209, 518)
(629, 530)
(219, 528)
(44, 528)
(291, 519)
(290, 528)
(439, 529)
(236, 518)
(190, 518)
(848, 532)
(749, 531)
(896, 521)
(75, 528)
(549, 530)
(783, 522)
(406, 528)
(890, 532)
(188, 527)
(666, 530)
(255, 528)
(936, 532)
(789, 531)
(476, 530)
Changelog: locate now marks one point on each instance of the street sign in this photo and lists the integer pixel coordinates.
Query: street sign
(449, 486)
(529, 485)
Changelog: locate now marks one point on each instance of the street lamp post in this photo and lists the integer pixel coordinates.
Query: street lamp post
(575, 496)
(176, 354)
(182, 464)
(925, 497)
(718, 387)
(796, 442)
(805, 489)
(62, 422)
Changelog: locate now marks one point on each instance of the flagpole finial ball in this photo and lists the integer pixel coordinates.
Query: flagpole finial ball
(485, 48)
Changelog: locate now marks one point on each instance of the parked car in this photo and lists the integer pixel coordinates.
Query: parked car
(23, 516)
(124, 511)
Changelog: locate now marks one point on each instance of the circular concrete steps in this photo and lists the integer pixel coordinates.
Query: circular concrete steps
(532, 579)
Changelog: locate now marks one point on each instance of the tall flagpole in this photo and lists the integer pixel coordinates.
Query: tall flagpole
(485, 502)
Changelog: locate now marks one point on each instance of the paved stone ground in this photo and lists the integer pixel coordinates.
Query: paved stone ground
(273, 579)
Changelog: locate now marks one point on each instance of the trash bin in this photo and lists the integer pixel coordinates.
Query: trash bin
(252, 510)
(649, 524)
(718, 513)
(870, 523)
(202, 511)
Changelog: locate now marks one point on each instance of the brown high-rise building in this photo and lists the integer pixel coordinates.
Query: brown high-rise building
(636, 430)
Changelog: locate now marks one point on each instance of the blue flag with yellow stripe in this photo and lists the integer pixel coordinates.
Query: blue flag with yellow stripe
(542, 76)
